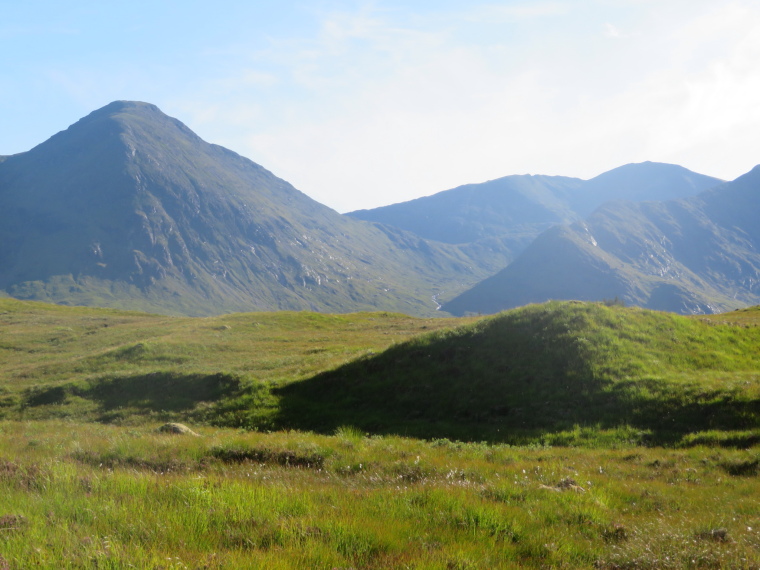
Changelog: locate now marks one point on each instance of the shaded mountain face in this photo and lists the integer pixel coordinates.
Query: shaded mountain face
(693, 255)
(510, 212)
(129, 208)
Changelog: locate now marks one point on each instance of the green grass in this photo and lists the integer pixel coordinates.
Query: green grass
(564, 435)
(118, 366)
(567, 373)
(94, 496)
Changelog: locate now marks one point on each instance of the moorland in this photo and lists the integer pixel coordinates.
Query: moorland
(565, 434)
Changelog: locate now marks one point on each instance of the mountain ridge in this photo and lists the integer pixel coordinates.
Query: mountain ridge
(690, 255)
(514, 210)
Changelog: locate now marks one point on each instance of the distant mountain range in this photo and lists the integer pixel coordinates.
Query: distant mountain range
(129, 208)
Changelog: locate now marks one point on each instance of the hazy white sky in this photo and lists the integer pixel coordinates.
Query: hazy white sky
(366, 103)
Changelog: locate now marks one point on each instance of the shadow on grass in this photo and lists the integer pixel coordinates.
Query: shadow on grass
(162, 391)
(44, 396)
(542, 374)
(157, 391)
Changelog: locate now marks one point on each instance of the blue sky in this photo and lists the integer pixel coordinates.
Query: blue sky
(365, 103)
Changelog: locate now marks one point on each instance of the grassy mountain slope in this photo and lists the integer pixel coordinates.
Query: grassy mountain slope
(529, 374)
(694, 255)
(128, 208)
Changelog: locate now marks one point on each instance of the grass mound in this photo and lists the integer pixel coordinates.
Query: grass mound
(545, 369)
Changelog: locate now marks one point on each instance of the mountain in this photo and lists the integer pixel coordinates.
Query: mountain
(692, 255)
(512, 205)
(640, 182)
(509, 213)
(129, 208)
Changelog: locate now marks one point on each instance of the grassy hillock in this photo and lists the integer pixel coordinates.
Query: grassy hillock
(545, 369)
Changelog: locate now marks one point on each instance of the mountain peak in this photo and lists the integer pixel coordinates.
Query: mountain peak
(641, 182)
(134, 107)
(694, 254)
(129, 207)
(148, 115)
(121, 105)
(117, 108)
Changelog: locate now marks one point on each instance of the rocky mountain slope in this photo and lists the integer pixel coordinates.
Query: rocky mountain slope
(129, 208)
(693, 255)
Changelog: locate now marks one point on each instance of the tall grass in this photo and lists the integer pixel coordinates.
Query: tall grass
(103, 496)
